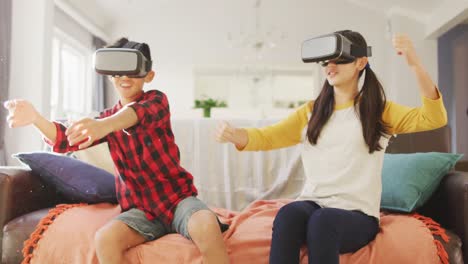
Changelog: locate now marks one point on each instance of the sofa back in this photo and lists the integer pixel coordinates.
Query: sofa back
(434, 140)
(449, 204)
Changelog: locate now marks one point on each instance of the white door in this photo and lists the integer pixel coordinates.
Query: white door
(460, 85)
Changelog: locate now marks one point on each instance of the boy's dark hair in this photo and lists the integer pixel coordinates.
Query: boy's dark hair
(125, 43)
(370, 102)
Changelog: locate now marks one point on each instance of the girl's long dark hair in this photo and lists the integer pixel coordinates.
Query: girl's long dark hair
(370, 100)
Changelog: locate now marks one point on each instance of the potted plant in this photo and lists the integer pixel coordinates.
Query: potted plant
(207, 104)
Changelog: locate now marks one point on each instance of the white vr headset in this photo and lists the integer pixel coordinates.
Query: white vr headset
(332, 47)
(122, 62)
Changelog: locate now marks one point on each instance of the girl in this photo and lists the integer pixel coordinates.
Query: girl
(344, 133)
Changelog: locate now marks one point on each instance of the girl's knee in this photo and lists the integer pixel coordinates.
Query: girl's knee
(290, 214)
(287, 211)
(322, 215)
(322, 224)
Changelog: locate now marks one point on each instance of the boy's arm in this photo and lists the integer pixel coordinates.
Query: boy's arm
(150, 111)
(46, 128)
(88, 131)
(22, 113)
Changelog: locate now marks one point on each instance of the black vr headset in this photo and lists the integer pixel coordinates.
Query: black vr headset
(126, 61)
(332, 47)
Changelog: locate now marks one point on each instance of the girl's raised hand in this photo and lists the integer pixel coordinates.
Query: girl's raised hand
(404, 46)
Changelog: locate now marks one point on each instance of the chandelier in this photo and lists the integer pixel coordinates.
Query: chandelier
(258, 41)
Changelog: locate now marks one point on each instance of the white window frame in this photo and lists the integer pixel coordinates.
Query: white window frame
(61, 41)
(255, 92)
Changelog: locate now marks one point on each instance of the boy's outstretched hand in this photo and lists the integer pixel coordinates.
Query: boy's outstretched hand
(21, 113)
(86, 131)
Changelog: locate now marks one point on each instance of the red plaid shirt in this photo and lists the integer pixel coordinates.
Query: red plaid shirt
(147, 159)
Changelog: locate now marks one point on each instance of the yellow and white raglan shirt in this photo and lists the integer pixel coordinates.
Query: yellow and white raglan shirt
(340, 172)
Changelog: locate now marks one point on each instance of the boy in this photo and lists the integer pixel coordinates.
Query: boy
(156, 194)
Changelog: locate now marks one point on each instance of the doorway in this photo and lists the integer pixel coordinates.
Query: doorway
(453, 82)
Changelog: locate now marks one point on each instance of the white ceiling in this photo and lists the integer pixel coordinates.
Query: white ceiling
(424, 7)
(106, 12)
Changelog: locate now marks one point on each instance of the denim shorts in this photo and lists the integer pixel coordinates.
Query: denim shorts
(151, 230)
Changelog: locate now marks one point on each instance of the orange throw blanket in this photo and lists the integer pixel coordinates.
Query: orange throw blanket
(66, 235)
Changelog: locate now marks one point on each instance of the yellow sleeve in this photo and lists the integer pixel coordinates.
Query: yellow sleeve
(282, 134)
(403, 119)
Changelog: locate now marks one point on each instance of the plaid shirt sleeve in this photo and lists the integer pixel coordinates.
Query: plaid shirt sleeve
(152, 110)
(61, 142)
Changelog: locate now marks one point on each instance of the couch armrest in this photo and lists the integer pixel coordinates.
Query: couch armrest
(449, 206)
(22, 192)
(462, 165)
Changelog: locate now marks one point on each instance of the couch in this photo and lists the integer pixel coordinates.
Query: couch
(24, 199)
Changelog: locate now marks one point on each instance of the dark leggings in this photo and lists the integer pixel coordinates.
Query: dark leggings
(327, 232)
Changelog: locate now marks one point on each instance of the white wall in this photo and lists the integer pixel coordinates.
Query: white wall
(70, 27)
(448, 15)
(30, 67)
(184, 39)
(193, 34)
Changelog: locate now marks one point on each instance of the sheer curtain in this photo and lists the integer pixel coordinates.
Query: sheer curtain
(99, 89)
(5, 42)
(234, 179)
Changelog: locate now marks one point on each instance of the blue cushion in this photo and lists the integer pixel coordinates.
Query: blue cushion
(74, 179)
(409, 180)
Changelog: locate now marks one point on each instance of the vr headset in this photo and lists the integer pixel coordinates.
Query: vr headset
(124, 61)
(332, 47)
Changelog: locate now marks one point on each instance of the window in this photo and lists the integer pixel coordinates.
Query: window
(71, 78)
(256, 93)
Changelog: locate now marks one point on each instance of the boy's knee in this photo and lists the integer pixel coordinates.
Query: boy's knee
(201, 222)
(105, 240)
(101, 238)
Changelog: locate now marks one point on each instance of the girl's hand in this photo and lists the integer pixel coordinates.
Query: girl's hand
(404, 46)
(225, 132)
(20, 113)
